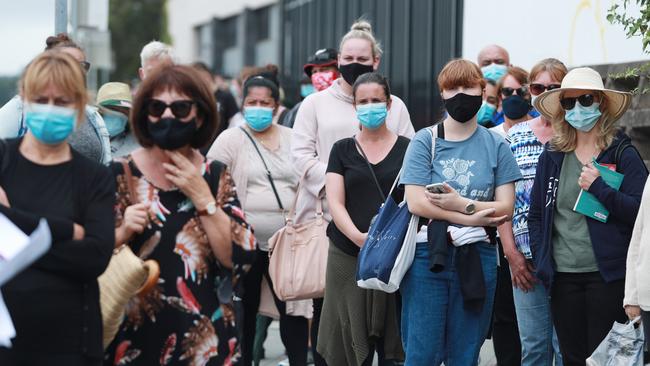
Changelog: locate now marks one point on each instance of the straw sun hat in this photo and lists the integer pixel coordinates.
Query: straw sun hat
(583, 78)
(114, 95)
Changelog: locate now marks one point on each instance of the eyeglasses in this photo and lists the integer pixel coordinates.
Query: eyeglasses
(585, 100)
(506, 92)
(537, 89)
(179, 108)
(85, 65)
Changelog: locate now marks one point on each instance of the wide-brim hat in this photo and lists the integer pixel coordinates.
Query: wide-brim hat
(322, 57)
(583, 78)
(114, 95)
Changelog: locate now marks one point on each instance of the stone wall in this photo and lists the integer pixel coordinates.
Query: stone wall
(636, 121)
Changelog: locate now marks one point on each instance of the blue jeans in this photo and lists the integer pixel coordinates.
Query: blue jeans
(436, 327)
(538, 339)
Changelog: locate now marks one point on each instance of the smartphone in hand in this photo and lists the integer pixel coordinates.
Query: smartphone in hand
(436, 188)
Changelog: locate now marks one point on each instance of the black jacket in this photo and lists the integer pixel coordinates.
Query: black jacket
(54, 303)
(609, 240)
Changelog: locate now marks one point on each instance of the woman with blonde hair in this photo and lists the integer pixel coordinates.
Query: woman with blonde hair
(580, 257)
(54, 303)
(324, 118)
(91, 137)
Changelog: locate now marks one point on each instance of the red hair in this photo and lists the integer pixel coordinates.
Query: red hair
(459, 72)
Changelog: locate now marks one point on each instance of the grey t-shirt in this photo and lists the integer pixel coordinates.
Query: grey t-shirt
(572, 248)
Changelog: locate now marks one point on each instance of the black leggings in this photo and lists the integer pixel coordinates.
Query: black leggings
(584, 307)
(294, 330)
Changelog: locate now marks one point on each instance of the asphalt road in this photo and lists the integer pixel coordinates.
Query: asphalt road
(275, 350)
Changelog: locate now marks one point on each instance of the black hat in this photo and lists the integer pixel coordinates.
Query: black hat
(322, 57)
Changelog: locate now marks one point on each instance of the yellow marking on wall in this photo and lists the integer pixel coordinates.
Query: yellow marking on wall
(585, 5)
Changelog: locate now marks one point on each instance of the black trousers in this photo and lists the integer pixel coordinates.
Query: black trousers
(315, 323)
(294, 330)
(505, 332)
(584, 307)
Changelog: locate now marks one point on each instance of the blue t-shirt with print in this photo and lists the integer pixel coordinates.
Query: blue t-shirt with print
(473, 167)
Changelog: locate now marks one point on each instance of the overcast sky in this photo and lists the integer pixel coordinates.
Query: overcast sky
(24, 26)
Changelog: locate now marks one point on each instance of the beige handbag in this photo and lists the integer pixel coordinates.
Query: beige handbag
(298, 255)
(126, 276)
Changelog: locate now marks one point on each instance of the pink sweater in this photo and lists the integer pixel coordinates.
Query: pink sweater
(324, 118)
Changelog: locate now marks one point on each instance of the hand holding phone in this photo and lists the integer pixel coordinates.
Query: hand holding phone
(436, 188)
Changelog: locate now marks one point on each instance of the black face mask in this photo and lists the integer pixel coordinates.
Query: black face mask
(351, 72)
(462, 107)
(515, 107)
(171, 133)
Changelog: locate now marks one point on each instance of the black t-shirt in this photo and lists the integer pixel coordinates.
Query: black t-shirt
(362, 199)
(58, 294)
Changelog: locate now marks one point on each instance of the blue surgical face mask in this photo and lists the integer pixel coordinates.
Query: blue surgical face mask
(306, 89)
(50, 124)
(373, 115)
(583, 118)
(115, 122)
(258, 118)
(486, 113)
(494, 72)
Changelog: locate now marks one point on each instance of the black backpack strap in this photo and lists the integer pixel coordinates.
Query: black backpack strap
(620, 148)
(441, 131)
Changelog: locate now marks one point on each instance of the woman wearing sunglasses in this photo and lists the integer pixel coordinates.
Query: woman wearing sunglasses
(90, 138)
(533, 313)
(514, 99)
(181, 210)
(581, 259)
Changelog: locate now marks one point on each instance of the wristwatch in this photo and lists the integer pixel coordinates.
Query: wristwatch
(210, 209)
(470, 207)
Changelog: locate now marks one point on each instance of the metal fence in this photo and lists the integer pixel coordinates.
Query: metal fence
(418, 38)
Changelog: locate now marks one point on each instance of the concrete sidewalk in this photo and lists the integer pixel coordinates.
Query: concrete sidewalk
(275, 350)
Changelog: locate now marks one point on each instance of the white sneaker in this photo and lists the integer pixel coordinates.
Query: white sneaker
(284, 362)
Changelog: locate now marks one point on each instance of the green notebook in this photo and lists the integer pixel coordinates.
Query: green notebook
(588, 205)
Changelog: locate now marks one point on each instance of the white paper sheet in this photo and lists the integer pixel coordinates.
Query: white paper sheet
(17, 255)
(7, 330)
(13, 239)
(39, 243)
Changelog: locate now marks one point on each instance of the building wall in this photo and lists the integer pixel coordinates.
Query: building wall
(185, 16)
(573, 31)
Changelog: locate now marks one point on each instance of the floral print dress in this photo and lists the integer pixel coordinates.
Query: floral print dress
(190, 317)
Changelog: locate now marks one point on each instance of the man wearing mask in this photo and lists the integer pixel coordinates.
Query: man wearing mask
(493, 61)
(321, 69)
(114, 102)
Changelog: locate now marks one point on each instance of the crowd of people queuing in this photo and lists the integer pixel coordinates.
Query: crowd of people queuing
(199, 175)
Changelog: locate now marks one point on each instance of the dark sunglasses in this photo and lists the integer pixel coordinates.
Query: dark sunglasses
(585, 100)
(537, 89)
(506, 92)
(179, 108)
(85, 65)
